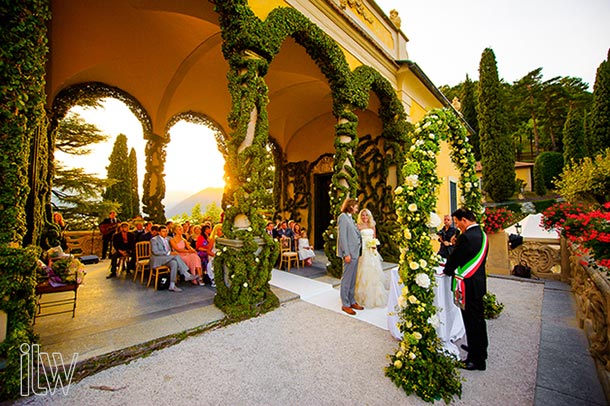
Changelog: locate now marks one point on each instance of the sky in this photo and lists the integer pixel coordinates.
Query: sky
(447, 37)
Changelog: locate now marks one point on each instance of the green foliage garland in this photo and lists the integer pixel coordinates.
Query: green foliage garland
(23, 48)
(419, 365)
(242, 274)
(18, 271)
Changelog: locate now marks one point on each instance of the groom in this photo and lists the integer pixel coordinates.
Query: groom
(349, 243)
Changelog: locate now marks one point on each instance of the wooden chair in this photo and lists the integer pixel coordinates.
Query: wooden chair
(287, 256)
(156, 272)
(142, 259)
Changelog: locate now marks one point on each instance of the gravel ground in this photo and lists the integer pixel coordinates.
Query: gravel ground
(301, 354)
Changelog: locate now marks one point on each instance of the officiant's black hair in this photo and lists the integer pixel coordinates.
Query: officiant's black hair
(463, 213)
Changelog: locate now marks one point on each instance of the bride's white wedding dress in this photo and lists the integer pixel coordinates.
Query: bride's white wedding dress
(371, 281)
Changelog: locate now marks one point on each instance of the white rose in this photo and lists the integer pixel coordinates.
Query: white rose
(417, 335)
(423, 263)
(398, 190)
(413, 299)
(422, 280)
(412, 207)
(434, 321)
(413, 265)
(411, 355)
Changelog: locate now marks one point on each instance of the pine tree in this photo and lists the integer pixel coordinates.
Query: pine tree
(118, 172)
(77, 194)
(469, 111)
(574, 136)
(133, 175)
(599, 124)
(497, 154)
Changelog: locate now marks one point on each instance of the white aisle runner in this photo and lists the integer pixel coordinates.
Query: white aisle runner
(324, 295)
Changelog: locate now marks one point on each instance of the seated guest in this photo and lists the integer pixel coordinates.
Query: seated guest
(170, 228)
(195, 233)
(304, 249)
(124, 244)
(296, 232)
(214, 234)
(147, 232)
(203, 248)
(284, 231)
(162, 254)
(186, 227)
(187, 253)
(269, 229)
(139, 231)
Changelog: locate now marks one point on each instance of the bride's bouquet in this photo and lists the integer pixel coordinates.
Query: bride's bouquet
(372, 243)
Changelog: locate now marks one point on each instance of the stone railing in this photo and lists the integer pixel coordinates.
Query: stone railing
(591, 289)
(84, 242)
(543, 256)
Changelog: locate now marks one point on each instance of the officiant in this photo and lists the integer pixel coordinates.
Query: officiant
(467, 267)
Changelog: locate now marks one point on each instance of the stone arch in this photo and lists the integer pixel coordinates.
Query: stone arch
(378, 158)
(71, 95)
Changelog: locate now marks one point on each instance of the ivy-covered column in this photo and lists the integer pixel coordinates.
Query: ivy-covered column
(243, 263)
(154, 182)
(344, 181)
(22, 100)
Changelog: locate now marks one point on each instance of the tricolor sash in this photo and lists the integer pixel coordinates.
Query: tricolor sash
(466, 271)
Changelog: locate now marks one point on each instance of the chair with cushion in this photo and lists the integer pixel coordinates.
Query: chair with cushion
(142, 259)
(287, 256)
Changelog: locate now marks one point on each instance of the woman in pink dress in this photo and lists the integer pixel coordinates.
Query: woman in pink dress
(187, 253)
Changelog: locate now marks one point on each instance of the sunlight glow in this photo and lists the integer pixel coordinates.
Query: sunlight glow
(193, 161)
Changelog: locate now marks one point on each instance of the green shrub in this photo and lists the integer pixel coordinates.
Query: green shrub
(542, 205)
(550, 165)
(587, 181)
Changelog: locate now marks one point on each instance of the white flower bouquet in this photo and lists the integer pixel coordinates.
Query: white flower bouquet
(372, 244)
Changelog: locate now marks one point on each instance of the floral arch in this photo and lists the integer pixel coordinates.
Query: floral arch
(419, 365)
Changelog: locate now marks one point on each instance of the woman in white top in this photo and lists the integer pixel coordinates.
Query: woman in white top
(304, 249)
(371, 281)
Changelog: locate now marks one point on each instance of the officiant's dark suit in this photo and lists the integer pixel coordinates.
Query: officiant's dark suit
(467, 247)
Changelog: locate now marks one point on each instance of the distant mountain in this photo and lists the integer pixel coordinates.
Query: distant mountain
(203, 197)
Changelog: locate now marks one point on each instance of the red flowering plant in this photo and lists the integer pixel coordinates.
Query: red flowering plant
(497, 218)
(587, 228)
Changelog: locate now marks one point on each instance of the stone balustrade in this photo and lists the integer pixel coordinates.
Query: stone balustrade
(591, 288)
(84, 242)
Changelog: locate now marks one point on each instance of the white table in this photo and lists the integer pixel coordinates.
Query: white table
(451, 324)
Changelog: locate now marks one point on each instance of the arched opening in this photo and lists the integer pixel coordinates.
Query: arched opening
(110, 118)
(194, 168)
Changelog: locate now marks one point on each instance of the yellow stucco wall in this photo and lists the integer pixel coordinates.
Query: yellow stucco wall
(262, 8)
(525, 174)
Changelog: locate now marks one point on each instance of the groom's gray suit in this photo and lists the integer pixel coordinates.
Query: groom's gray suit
(349, 243)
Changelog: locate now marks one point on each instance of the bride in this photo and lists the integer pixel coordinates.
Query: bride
(371, 281)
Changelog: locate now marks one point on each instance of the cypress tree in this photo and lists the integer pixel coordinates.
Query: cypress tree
(118, 172)
(133, 175)
(599, 124)
(573, 136)
(497, 154)
(469, 111)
